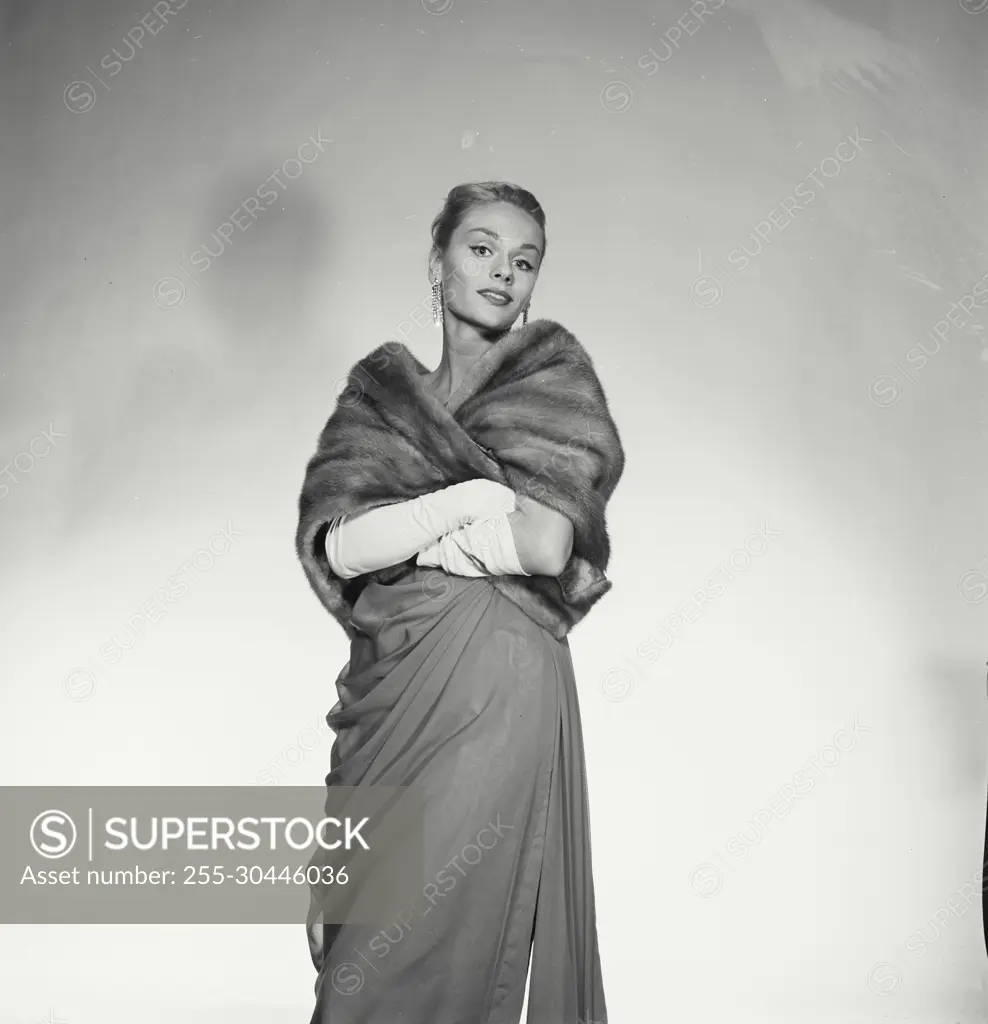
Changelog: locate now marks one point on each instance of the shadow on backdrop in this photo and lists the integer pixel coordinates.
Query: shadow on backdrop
(261, 289)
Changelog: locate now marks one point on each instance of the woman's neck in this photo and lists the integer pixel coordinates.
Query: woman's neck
(463, 345)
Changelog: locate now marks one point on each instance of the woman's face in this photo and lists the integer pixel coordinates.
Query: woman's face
(496, 248)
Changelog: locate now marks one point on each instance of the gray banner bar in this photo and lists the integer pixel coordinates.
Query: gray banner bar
(209, 854)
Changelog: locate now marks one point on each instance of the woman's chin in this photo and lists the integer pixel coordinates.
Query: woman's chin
(492, 318)
(498, 314)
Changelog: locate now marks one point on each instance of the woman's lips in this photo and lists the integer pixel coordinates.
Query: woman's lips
(495, 298)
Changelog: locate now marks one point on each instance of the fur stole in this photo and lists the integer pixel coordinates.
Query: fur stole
(530, 414)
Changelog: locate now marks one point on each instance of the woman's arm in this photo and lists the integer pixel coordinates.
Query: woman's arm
(475, 528)
(543, 537)
(391, 534)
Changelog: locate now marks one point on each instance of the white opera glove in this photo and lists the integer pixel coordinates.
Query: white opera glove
(391, 534)
(483, 548)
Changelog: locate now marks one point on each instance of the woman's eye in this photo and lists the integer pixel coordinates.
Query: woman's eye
(477, 248)
(525, 265)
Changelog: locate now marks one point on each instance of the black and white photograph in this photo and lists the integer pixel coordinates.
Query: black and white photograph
(494, 512)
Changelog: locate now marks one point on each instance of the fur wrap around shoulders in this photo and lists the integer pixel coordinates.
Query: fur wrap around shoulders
(530, 414)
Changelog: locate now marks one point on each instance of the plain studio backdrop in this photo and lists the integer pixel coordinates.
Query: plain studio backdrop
(766, 223)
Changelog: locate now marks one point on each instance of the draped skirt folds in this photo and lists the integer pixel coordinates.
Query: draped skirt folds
(452, 688)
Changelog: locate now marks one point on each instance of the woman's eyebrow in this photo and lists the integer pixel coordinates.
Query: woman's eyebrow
(497, 238)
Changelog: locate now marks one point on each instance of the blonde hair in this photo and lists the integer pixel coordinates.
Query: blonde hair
(463, 197)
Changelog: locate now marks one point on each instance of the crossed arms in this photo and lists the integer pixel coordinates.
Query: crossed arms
(474, 528)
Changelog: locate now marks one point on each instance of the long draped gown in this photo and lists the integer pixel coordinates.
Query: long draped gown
(452, 687)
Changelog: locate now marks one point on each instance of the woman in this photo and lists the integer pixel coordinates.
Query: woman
(452, 521)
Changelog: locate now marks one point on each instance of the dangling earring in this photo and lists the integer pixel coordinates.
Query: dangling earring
(524, 316)
(437, 303)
